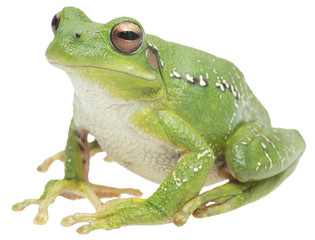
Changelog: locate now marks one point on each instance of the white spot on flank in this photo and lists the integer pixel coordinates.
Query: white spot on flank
(286, 153)
(230, 127)
(233, 91)
(248, 138)
(204, 153)
(176, 74)
(155, 48)
(225, 83)
(220, 85)
(258, 165)
(162, 63)
(287, 148)
(177, 180)
(202, 83)
(189, 78)
(273, 146)
(270, 160)
(275, 137)
(280, 157)
(253, 130)
(268, 141)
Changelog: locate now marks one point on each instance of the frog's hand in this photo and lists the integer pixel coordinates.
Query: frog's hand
(181, 185)
(260, 159)
(44, 166)
(75, 185)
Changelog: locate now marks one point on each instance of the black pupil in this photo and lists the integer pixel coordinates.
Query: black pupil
(128, 35)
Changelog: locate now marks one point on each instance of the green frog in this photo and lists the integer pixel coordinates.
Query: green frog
(172, 114)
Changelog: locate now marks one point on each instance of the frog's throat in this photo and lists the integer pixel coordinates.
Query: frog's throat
(143, 76)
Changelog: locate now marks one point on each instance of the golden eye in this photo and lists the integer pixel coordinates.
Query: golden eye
(126, 37)
(55, 22)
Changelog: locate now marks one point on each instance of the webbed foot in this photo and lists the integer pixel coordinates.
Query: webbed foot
(117, 213)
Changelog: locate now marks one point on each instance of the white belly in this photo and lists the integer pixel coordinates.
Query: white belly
(107, 119)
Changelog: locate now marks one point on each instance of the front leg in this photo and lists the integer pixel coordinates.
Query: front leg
(75, 183)
(182, 184)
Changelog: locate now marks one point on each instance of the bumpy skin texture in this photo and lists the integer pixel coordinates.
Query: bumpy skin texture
(170, 113)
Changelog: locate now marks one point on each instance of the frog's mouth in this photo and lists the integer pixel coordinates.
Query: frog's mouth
(118, 83)
(126, 70)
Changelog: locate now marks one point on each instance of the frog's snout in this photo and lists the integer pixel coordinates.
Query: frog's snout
(55, 22)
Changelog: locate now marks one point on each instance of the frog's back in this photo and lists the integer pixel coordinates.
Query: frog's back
(208, 92)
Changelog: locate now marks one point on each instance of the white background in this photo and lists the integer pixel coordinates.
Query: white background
(272, 42)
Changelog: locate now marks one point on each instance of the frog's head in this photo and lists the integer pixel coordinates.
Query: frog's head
(114, 55)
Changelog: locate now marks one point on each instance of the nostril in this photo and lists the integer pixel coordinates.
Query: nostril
(55, 22)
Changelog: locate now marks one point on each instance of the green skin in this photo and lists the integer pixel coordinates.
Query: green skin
(193, 101)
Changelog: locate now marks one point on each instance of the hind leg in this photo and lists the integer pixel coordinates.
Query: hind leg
(259, 159)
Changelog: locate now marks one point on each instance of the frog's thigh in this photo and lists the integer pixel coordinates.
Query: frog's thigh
(260, 159)
(255, 153)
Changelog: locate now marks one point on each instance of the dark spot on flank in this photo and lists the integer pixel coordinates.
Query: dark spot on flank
(206, 85)
(81, 147)
(77, 134)
(195, 80)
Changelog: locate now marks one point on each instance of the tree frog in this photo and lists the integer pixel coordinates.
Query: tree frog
(172, 114)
